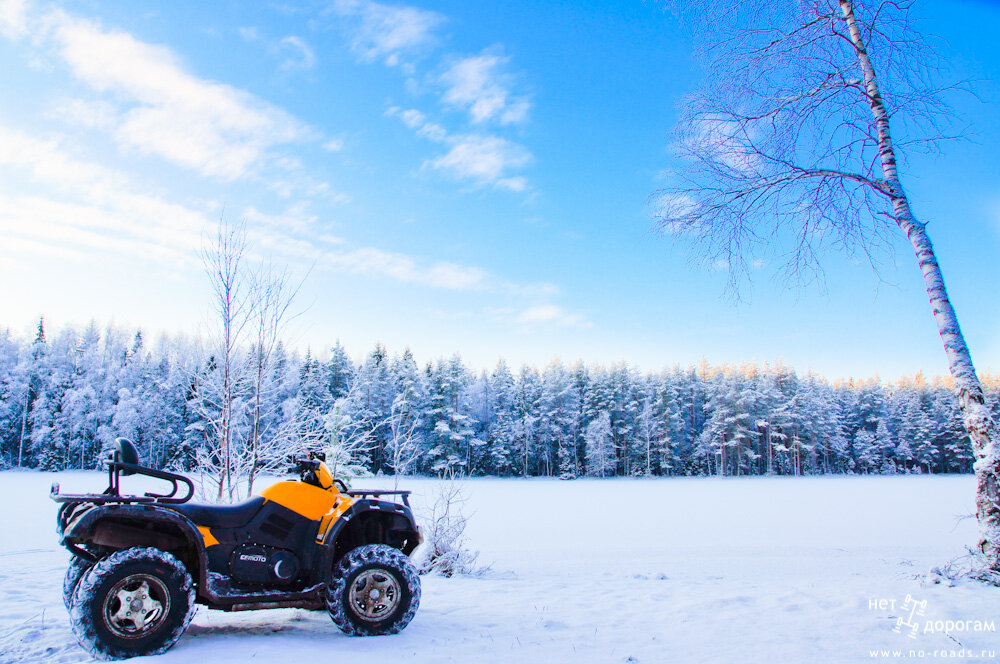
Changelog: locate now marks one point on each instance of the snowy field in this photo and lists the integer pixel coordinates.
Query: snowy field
(673, 570)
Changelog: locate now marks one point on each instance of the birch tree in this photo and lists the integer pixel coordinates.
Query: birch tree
(795, 146)
(272, 295)
(225, 265)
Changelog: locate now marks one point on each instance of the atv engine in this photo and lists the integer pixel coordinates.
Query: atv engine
(255, 565)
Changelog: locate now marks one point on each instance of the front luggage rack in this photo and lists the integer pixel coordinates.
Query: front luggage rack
(361, 493)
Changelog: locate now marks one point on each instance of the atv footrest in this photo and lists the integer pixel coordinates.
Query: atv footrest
(228, 598)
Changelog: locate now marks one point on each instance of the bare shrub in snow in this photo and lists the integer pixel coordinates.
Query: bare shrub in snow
(446, 550)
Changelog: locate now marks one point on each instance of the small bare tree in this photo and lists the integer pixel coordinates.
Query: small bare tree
(789, 152)
(446, 550)
(224, 262)
(252, 306)
(272, 295)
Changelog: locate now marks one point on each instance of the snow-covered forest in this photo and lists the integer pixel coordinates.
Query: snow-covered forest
(64, 398)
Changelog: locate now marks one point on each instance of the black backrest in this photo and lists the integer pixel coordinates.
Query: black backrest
(125, 452)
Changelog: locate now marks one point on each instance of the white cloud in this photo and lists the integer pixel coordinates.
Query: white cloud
(535, 290)
(84, 113)
(209, 127)
(386, 31)
(417, 121)
(517, 184)
(550, 314)
(90, 212)
(334, 145)
(484, 160)
(299, 55)
(446, 275)
(101, 208)
(105, 215)
(412, 118)
(295, 218)
(433, 132)
(13, 18)
(478, 84)
(404, 268)
(85, 229)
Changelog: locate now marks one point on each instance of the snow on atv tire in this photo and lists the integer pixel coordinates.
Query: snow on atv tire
(77, 568)
(374, 590)
(134, 602)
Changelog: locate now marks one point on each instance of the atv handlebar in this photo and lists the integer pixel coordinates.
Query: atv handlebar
(308, 469)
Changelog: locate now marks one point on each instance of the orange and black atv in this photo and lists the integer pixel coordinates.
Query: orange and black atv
(141, 563)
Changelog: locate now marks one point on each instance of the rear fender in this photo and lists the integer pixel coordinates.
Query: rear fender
(125, 526)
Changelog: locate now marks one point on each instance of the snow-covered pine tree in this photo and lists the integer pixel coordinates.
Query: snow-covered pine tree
(501, 434)
(600, 446)
(526, 409)
(557, 407)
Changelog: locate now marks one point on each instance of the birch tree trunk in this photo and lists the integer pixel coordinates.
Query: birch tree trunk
(976, 416)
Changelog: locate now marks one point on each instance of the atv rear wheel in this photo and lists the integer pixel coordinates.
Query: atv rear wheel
(374, 590)
(77, 568)
(134, 602)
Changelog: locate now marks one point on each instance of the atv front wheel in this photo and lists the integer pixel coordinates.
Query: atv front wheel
(374, 590)
(134, 602)
(77, 568)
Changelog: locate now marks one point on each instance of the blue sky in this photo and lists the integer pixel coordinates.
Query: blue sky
(453, 176)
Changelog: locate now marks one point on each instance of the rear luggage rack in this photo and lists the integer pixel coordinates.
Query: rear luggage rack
(124, 461)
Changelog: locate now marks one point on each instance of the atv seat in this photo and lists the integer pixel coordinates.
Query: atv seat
(221, 516)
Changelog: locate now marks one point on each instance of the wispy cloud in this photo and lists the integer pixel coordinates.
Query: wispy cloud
(388, 32)
(85, 113)
(550, 314)
(404, 268)
(209, 127)
(298, 54)
(484, 160)
(13, 18)
(100, 209)
(146, 99)
(334, 145)
(93, 210)
(417, 121)
(481, 159)
(479, 85)
(148, 102)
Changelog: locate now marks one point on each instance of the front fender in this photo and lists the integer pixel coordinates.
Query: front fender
(372, 522)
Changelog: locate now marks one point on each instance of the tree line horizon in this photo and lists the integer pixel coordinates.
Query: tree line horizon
(64, 400)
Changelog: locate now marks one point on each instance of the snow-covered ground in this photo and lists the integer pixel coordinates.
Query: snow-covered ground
(680, 570)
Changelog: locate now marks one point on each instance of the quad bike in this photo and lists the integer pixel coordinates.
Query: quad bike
(141, 563)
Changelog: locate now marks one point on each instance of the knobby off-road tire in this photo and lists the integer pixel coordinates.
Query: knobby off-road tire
(374, 590)
(134, 602)
(77, 568)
